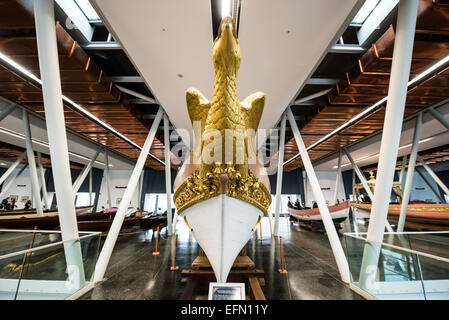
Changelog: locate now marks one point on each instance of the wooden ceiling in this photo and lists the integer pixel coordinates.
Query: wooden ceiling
(82, 81)
(363, 84)
(367, 82)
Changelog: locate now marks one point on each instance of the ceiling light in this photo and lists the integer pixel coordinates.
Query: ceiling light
(87, 9)
(365, 11)
(226, 8)
(2, 164)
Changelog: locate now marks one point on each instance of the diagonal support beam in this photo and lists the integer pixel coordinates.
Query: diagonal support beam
(338, 178)
(439, 117)
(435, 192)
(32, 164)
(410, 172)
(5, 112)
(11, 181)
(332, 235)
(394, 116)
(82, 176)
(108, 177)
(12, 167)
(277, 200)
(359, 174)
(105, 254)
(43, 184)
(433, 175)
(365, 184)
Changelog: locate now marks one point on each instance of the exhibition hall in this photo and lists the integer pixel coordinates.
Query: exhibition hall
(193, 150)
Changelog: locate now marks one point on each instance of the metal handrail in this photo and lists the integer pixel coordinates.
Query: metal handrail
(9, 255)
(428, 255)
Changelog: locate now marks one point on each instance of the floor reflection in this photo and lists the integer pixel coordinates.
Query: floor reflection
(134, 273)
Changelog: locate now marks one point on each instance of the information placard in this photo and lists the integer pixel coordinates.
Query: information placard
(226, 291)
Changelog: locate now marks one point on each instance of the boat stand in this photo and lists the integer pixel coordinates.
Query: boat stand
(243, 270)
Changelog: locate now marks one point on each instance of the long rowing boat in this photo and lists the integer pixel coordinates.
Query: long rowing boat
(424, 213)
(339, 213)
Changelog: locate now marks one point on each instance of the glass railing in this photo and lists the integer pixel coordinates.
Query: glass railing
(39, 265)
(408, 265)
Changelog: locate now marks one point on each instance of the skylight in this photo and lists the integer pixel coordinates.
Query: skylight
(87, 9)
(365, 11)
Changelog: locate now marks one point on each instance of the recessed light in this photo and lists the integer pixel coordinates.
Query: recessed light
(180, 75)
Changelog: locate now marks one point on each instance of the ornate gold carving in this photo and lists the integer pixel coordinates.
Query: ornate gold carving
(249, 189)
(246, 188)
(223, 114)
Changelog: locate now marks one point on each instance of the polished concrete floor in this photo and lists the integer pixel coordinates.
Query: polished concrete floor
(135, 273)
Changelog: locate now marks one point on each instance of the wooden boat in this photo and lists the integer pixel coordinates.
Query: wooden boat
(431, 214)
(153, 221)
(339, 213)
(48, 222)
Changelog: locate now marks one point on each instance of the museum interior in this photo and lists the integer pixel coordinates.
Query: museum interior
(224, 150)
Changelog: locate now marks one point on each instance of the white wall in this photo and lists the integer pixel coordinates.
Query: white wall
(119, 178)
(24, 182)
(326, 179)
(418, 182)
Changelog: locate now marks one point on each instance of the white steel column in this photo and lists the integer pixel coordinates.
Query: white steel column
(410, 172)
(277, 199)
(167, 173)
(32, 164)
(109, 244)
(12, 167)
(433, 175)
(334, 240)
(359, 173)
(83, 174)
(90, 187)
(57, 139)
(108, 177)
(43, 184)
(11, 181)
(394, 116)
(337, 180)
(404, 163)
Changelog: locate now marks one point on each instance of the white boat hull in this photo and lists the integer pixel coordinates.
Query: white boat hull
(222, 226)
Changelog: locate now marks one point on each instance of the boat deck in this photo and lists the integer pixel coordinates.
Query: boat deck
(134, 273)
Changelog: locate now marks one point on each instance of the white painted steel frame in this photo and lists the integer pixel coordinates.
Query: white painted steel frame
(410, 172)
(394, 115)
(32, 164)
(433, 175)
(83, 174)
(277, 200)
(12, 167)
(43, 184)
(332, 235)
(167, 173)
(57, 138)
(114, 231)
